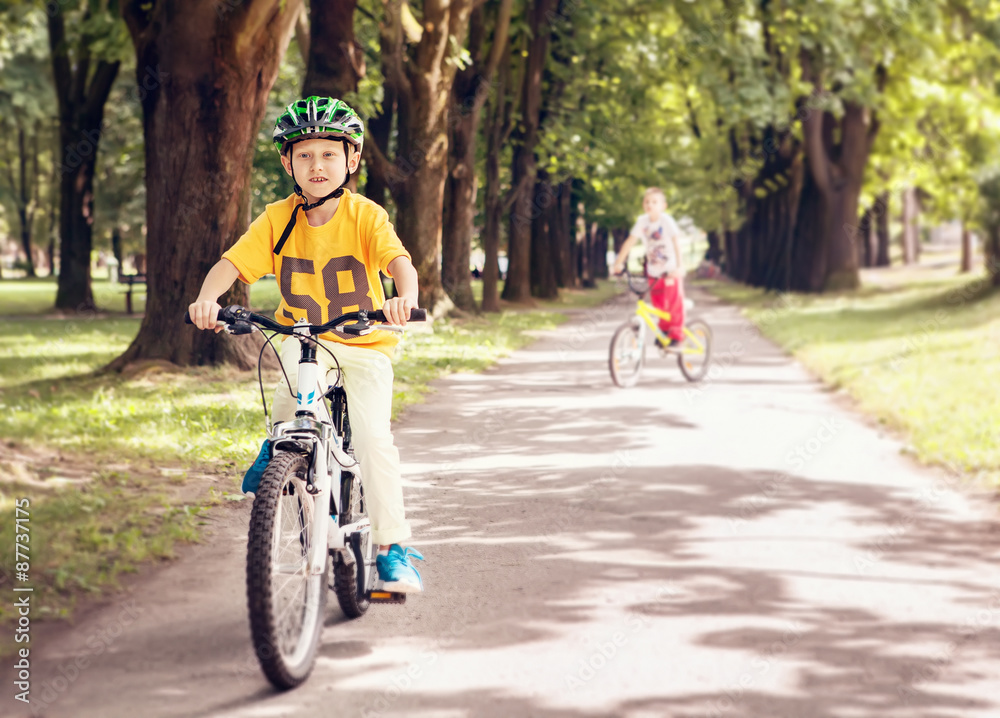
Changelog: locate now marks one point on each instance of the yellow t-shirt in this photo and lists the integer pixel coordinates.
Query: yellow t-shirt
(325, 271)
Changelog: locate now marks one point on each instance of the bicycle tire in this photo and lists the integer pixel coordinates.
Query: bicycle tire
(286, 657)
(626, 355)
(694, 370)
(352, 602)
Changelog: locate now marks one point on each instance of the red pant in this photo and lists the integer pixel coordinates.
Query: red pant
(667, 295)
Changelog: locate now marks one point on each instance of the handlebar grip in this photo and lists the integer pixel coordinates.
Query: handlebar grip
(187, 318)
(416, 315)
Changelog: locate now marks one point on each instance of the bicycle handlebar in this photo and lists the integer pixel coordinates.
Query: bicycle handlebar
(629, 277)
(241, 320)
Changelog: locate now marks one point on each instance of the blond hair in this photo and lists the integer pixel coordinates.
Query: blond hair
(654, 190)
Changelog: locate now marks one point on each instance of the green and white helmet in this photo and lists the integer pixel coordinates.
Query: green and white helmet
(324, 117)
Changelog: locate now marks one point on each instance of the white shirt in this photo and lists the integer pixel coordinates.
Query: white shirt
(658, 238)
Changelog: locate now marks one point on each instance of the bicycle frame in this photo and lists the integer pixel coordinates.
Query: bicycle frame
(312, 432)
(650, 316)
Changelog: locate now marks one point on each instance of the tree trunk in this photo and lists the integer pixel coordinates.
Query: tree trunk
(81, 96)
(911, 230)
(204, 55)
(561, 224)
(379, 132)
(494, 211)
(991, 246)
(518, 286)
(25, 190)
(714, 253)
(51, 253)
(585, 240)
(864, 237)
(116, 247)
(839, 186)
(808, 261)
(966, 264)
(421, 76)
(418, 214)
(733, 252)
(460, 190)
(837, 152)
(469, 92)
(544, 250)
(497, 130)
(760, 253)
(459, 213)
(882, 230)
(336, 61)
(599, 254)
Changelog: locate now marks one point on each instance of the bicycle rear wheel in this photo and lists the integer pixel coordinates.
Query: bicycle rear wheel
(627, 354)
(286, 603)
(695, 352)
(352, 592)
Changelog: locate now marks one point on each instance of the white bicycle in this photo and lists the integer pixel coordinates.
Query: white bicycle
(292, 546)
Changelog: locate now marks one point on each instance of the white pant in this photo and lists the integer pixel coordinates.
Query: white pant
(368, 384)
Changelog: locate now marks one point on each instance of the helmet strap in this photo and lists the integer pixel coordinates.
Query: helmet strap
(305, 206)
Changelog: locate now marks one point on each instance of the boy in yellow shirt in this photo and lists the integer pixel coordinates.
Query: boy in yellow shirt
(327, 263)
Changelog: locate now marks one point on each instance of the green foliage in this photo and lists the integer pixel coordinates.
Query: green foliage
(681, 95)
(26, 110)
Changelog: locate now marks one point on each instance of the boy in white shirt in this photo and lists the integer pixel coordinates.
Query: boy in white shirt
(660, 236)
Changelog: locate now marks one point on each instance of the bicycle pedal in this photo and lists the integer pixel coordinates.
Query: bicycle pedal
(386, 597)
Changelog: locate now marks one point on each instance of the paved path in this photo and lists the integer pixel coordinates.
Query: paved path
(746, 548)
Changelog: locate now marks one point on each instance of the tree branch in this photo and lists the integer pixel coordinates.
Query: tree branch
(391, 43)
(515, 192)
(60, 60)
(99, 89)
(302, 33)
(812, 130)
(500, 38)
(381, 167)
(138, 16)
(255, 15)
(693, 118)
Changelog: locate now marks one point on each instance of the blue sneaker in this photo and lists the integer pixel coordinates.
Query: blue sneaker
(251, 480)
(397, 573)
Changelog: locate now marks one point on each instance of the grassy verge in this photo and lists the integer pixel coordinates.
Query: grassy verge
(30, 297)
(919, 349)
(105, 460)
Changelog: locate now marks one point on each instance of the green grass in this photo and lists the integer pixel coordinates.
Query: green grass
(124, 430)
(919, 350)
(35, 297)
(30, 297)
(83, 540)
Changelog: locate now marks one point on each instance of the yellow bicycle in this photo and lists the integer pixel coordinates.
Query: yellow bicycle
(628, 345)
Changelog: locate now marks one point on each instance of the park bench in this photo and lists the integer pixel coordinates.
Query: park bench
(130, 281)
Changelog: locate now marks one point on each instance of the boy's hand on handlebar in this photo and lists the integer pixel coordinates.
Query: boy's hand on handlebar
(397, 310)
(618, 269)
(205, 314)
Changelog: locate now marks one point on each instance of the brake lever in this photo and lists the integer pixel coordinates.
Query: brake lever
(237, 327)
(358, 329)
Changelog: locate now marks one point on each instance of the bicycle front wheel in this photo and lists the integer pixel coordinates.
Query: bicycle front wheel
(695, 352)
(286, 603)
(627, 354)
